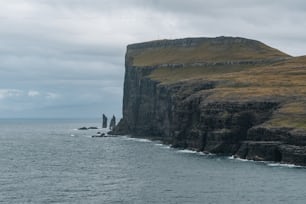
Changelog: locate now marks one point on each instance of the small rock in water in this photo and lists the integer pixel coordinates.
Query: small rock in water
(83, 128)
(99, 135)
(93, 128)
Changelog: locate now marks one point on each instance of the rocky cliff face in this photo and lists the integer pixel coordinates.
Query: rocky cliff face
(196, 93)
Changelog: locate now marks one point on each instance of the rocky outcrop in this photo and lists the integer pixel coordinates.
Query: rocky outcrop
(112, 123)
(186, 113)
(104, 121)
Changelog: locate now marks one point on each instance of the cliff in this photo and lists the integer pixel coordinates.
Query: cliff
(224, 95)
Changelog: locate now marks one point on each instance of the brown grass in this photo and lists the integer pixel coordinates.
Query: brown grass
(285, 81)
(203, 53)
(290, 115)
(288, 74)
(172, 75)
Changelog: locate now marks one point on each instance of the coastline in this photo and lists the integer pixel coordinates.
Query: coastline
(191, 151)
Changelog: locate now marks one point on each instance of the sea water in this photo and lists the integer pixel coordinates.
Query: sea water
(50, 161)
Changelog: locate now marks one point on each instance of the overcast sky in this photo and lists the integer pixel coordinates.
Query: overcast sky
(65, 58)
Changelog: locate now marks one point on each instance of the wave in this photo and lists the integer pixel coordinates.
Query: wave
(239, 159)
(163, 145)
(205, 154)
(284, 165)
(143, 140)
(271, 164)
(187, 151)
(136, 139)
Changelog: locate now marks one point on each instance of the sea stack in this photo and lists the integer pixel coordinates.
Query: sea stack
(112, 123)
(104, 121)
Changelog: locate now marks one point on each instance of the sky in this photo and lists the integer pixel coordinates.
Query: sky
(65, 58)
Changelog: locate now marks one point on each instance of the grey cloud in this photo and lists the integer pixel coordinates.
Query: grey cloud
(74, 49)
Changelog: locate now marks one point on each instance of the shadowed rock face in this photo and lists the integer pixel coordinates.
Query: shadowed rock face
(197, 93)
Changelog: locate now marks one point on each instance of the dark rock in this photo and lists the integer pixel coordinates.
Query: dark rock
(92, 128)
(112, 124)
(104, 121)
(99, 135)
(293, 154)
(83, 128)
(260, 151)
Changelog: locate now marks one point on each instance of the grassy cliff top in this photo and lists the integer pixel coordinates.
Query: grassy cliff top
(191, 50)
(278, 77)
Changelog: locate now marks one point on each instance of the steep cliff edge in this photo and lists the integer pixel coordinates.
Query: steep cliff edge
(224, 95)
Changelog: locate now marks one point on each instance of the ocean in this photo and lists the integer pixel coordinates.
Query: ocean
(50, 161)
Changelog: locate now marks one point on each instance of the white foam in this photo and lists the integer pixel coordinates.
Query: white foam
(143, 140)
(187, 151)
(72, 135)
(159, 144)
(163, 146)
(266, 162)
(231, 157)
(239, 159)
(205, 154)
(283, 165)
(137, 139)
(166, 146)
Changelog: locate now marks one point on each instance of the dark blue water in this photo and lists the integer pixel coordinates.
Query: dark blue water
(48, 161)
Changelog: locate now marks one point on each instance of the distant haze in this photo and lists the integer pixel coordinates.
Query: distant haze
(65, 58)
